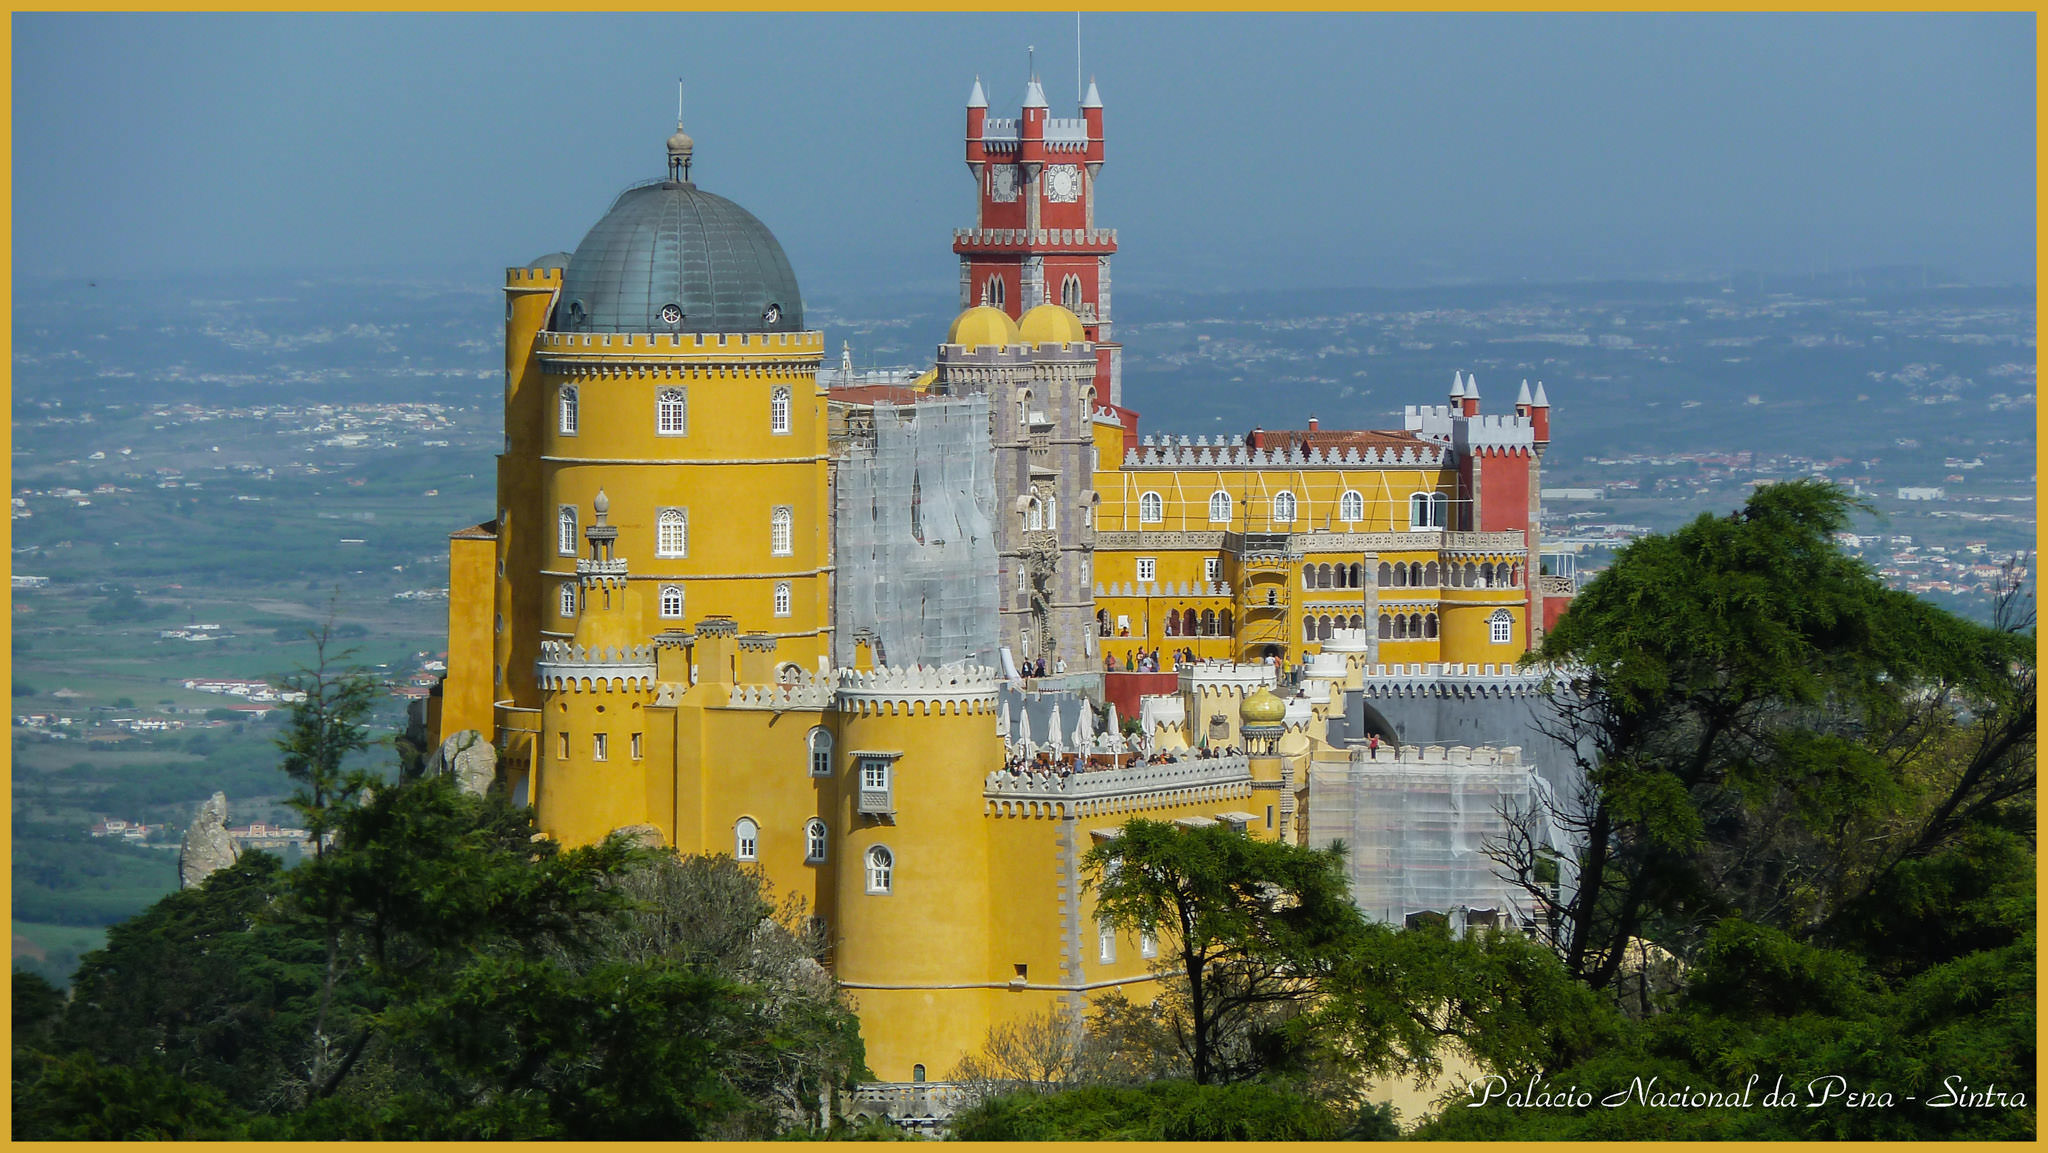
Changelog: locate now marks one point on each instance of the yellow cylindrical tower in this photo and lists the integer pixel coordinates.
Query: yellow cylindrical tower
(913, 939)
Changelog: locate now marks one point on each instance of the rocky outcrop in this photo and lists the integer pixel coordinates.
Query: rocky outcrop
(207, 848)
(469, 758)
(647, 835)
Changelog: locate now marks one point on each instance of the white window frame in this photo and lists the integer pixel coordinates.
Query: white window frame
(881, 869)
(638, 746)
(1148, 946)
(1500, 627)
(779, 419)
(1283, 507)
(1428, 510)
(567, 416)
(783, 598)
(600, 746)
(873, 770)
(565, 530)
(1220, 503)
(1105, 943)
(820, 743)
(746, 839)
(1211, 568)
(565, 599)
(1151, 508)
(782, 531)
(671, 602)
(1147, 569)
(816, 836)
(1351, 506)
(671, 402)
(674, 543)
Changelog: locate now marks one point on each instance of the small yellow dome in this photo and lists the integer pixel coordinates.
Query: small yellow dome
(1051, 324)
(983, 325)
(1262, 708)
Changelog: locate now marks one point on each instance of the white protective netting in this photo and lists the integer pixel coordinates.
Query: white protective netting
(1417, 824)
(915, 538)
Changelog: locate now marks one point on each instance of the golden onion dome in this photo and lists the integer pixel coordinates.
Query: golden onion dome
(983, 325)
(1262, 708)
(1051, 324)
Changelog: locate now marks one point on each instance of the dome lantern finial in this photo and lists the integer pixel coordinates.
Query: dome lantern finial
(680, 146)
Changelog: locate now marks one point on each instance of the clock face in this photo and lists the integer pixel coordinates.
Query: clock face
(671, 314)
(1002, 183)
(1063, 183)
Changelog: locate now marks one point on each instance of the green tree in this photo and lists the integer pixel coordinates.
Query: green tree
(1248, 924)
(1750, 702)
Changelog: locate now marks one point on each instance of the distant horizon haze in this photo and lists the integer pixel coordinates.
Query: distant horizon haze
(1245, 153)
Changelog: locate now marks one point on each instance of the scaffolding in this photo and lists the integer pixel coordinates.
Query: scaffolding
(915, 547)
(1417, 824)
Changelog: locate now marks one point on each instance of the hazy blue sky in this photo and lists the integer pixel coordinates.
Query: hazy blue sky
(1243, 151)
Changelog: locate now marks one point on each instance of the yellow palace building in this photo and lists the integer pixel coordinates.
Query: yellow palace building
(648, 630)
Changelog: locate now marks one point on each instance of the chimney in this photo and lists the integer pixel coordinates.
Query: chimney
(1312, 424)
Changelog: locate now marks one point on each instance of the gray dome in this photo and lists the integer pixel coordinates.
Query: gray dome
(667, 243)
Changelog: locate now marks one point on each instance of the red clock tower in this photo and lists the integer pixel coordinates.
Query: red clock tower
(1034, 238)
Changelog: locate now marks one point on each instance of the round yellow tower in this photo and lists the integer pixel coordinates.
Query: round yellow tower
(914, 944)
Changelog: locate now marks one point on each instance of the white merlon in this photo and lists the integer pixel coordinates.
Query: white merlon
(563, 665)
(1227, 677)
(955, 685)
(1194, 779)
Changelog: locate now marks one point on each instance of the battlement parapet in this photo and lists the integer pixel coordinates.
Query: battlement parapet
(1226, 677)
(1238, 456)
(808, 691)
(565, 665)
(1451, 681)
(1011, 793)
(951, 689)
(599, 569)
(533, 277)
(1436, 756)
(976, 239)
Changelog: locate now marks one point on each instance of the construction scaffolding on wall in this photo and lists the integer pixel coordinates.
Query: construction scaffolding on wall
(1418, 822)
(915, 536)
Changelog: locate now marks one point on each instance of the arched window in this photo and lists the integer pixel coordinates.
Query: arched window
(1426, 510)
(671, 412)
(778, 411)
(782, 598)
(1440, 509)
(565, 530)
(1208, 622)
(1172, 623)
(881, 869)
(1386, 575)
(782, 532)
(1500, 627)
(1151, 509)
(1105, 942)
(568, 598)
(820, 741)
(672, 602)
(1415, 574)
(1219, 507)
(1190, 624)
(1386, 627)
(1400, 627)
(1486, 575)
(1351, 506)
(1034, 515)
(1515, 577)
(1070, 294)
(814, 841)
(1415, 626)
(1357, 622)
(1400, 576)
(1429, 574)
(746, 840)
(567, 409)
(917, 1073)
(1102, 622)
(1471, 575)
(1429, 625)
(1323, 628)
(672, 532)
(992, 292)
(1308, 629)
(1283, 508)
(1358, 576)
